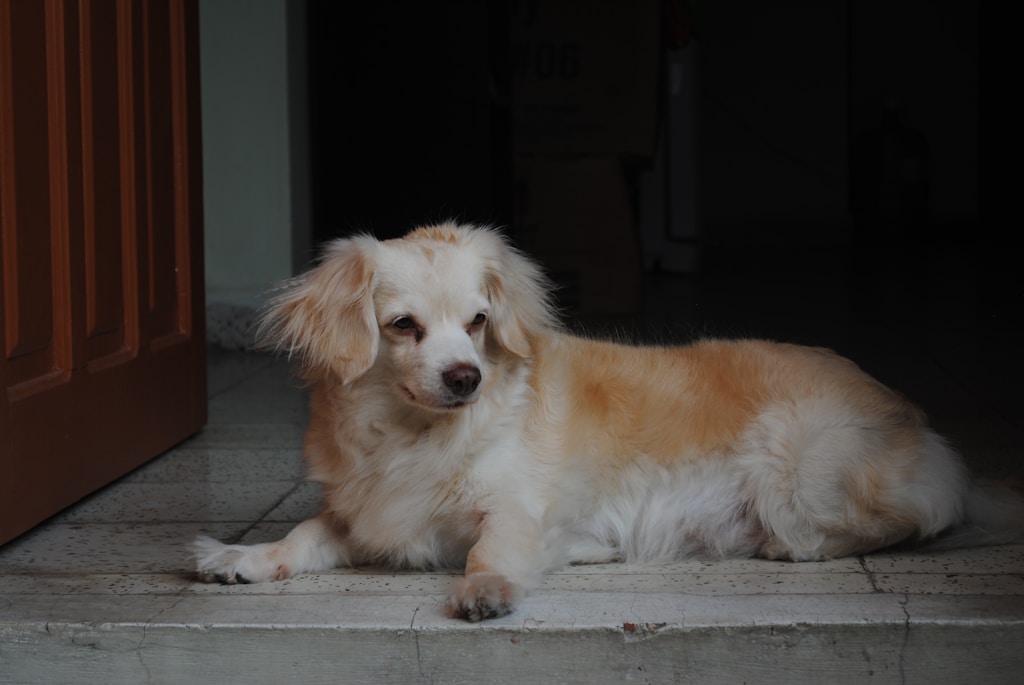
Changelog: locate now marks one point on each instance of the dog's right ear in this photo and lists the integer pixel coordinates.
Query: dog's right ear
(325, 317)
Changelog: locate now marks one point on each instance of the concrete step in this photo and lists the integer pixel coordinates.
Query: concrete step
(956, 617)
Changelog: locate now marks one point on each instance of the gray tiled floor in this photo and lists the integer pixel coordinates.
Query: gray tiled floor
(120, 557)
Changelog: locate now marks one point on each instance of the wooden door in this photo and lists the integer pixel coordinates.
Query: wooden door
(101, 307)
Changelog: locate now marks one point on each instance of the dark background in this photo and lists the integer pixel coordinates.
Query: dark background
(411, 123)
(403, 126)
(407, 127)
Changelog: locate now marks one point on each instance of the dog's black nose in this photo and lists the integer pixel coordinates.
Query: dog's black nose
(461, 379)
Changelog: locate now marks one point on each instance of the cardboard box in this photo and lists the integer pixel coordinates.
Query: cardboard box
(585, 76)
(575, 218)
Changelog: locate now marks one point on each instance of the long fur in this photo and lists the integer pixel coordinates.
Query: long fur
(454, 424)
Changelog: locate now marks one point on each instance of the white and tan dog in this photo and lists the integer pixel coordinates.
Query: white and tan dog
(454, 425)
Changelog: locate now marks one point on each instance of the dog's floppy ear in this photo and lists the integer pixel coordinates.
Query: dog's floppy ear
(326, 316)
(520, 296)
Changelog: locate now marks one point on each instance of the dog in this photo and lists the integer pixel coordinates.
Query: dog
(455, 424)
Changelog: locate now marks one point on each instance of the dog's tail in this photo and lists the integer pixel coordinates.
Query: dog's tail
(993, 515)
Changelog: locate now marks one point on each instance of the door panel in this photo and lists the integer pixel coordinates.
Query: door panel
(104, 226)
(100, 247)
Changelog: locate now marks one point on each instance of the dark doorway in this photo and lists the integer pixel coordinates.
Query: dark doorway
(407, 124)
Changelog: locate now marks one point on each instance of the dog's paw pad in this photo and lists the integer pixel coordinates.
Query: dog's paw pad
(222, 578)
(481, 596)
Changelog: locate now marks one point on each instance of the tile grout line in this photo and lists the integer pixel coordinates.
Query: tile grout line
(262, 518)
(267, 364)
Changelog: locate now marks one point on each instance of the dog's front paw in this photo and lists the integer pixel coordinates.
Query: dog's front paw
(231, 564)
(482, 595)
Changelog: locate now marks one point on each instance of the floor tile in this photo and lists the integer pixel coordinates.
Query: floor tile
(227, 368)
(1008, 559)
(714, 583)
(725, 566)
(97, 584)
(108, 548)
(266, 531)
(257, 409)
(305, 501)
(166, 502)
(244, 435)
(341, 581)
(969, 583)
(220, 465)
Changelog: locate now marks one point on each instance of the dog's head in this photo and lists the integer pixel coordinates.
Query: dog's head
(428, 313)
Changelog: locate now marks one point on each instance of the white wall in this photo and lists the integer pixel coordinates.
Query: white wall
(254, 162)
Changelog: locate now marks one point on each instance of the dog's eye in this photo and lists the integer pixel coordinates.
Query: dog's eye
(404, 323)
(476, 323)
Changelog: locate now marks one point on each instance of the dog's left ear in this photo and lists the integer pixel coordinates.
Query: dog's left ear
(520, 296)
(326, 316)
